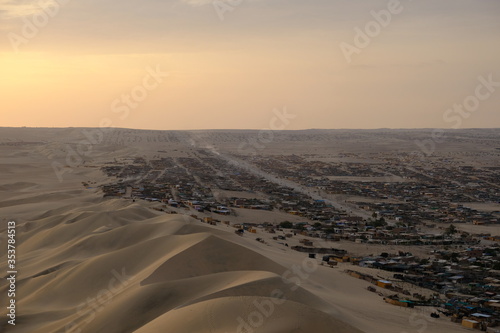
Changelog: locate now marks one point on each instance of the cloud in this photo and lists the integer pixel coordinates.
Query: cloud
(14, 9)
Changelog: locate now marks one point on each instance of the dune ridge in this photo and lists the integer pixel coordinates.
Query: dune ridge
(117, 266)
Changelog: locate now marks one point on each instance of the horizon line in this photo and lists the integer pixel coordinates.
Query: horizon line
(257, 129)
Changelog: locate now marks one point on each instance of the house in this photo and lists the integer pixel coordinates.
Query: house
(384, 284)
(469, 323)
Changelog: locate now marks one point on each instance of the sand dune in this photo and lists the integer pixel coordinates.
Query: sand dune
(171, 267)
(88, 264)
(212, 317)
(18, 186)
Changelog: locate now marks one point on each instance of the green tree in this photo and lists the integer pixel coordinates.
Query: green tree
(300, 227)
(424, 261)
(378, 223)
(317, 225)
(286, 225)
(451, 230)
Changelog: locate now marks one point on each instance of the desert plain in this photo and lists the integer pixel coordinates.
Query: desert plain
(90, 262)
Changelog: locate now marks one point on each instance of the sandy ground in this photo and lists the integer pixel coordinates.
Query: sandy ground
(86, 264)
(348, 297)
(91, 265)
(487, 207)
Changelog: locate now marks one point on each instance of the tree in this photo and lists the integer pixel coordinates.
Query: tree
(286, 225)
(330, 230)
(424, 261)
(451, 230)
(378, 223)
(300, 227)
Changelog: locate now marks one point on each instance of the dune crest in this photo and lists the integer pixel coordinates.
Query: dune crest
(117, 266)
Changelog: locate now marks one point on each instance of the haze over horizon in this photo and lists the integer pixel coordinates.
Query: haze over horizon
(235, 66)
(253, 129)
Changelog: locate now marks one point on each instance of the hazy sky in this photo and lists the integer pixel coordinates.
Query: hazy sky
(231, 63)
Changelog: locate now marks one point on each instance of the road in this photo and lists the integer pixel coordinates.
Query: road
(314, 193)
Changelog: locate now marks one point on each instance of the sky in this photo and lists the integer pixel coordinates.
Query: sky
(236, 64)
